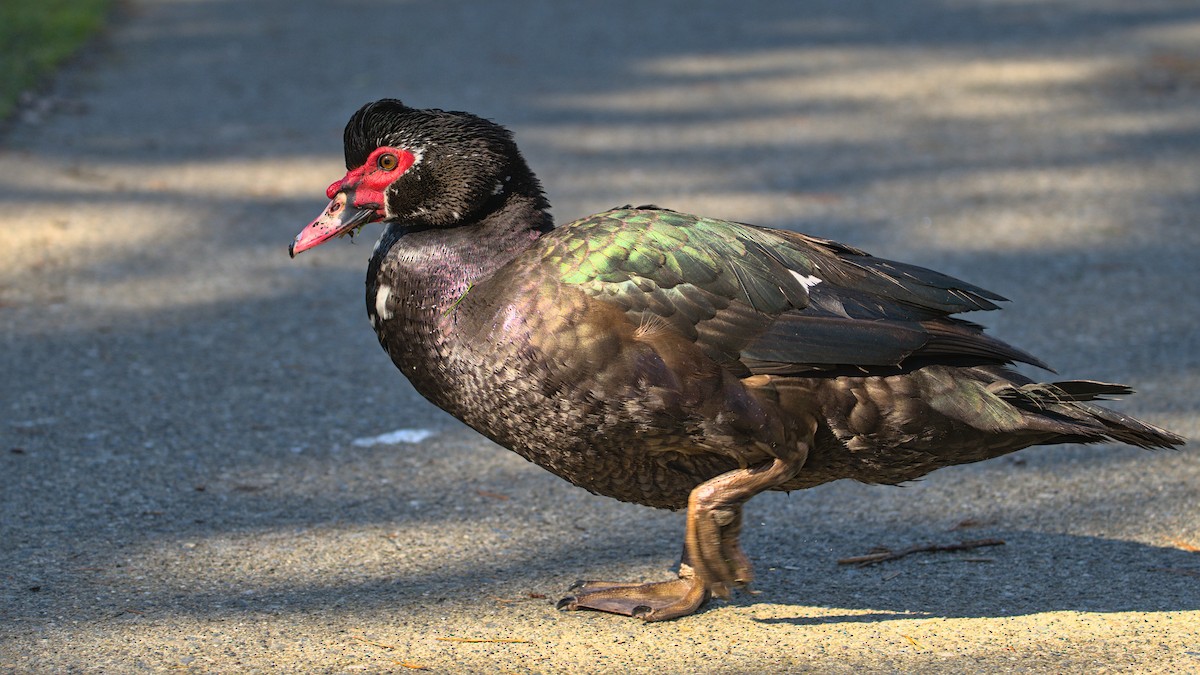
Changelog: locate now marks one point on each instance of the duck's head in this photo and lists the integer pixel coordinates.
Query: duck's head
(427, 168)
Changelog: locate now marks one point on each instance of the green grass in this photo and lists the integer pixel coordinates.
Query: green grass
(37, 35)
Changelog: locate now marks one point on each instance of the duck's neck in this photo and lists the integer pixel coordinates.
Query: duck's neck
(417, 274)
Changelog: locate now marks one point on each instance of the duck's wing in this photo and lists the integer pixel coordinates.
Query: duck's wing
(761, 300)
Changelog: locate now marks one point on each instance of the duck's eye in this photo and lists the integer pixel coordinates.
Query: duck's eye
(388, 162)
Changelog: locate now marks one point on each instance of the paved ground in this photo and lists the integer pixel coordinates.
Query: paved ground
(180, 486)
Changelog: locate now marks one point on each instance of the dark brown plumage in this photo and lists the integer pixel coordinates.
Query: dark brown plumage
(673, 360)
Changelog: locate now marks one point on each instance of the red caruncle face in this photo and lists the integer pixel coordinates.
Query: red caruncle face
(357, 199)
(370, 180)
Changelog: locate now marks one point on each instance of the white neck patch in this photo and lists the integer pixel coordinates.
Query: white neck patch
(381, 300)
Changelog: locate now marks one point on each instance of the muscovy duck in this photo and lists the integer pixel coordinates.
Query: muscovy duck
(673, 360)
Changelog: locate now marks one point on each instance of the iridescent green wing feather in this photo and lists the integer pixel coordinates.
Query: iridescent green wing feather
(696, 275)
(762, 300)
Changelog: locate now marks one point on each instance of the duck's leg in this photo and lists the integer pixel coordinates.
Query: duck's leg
(713, 561)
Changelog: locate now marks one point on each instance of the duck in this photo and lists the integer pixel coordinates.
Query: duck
(673, 360)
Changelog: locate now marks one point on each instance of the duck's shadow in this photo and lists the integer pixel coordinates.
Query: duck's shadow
(837, 618)
(1032, 573)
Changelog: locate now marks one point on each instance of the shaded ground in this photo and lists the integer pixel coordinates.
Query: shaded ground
(179, 482)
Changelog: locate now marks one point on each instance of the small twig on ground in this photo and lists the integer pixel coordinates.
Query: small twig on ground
(911, 641)
(525, 598)
(473, 640)
(885, 554)
(967, 523)
(406, 664)
(1177, 570)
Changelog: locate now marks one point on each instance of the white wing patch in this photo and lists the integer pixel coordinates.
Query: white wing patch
(806, 280)
(381, 298)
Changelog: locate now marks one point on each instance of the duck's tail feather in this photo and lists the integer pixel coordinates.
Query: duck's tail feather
(1065, 407)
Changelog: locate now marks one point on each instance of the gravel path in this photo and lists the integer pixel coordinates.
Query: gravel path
(191, 470)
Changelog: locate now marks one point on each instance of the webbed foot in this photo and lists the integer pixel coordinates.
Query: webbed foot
(657, 601)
